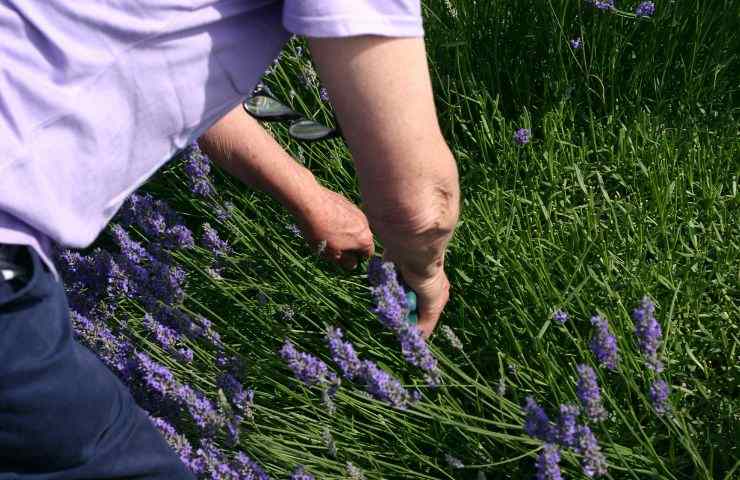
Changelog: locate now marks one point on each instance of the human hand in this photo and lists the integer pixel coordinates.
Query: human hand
(329, 217)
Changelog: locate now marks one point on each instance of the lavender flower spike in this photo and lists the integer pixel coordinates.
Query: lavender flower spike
(659, 392)
(604, 343)
(548, 463)
(588, 392)
(602, 4)
(300, 474)
(566, 426)
(648, 333)
(645, 9)
(248, 469)
(343, 354)
(593, 463)
(307, 368)
(537, 424)
(576, 43)
(560, 316)
(521, 136)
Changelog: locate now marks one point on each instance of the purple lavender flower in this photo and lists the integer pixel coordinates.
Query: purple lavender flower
(560, 316)
(300, 474)
(114, 351)
(576, 43)
(521, 136)
(213, 242)
(248, 469)
(324, 94)
(548, 463)
(198, 167)
(537, 424)
(383, 386)
(211, 463)
(659, 392)
(648, 333)
(602, 5)
(308, 369)
(343, 354)
(242, 399)
(416, 351)
(223, 213)
(593, 463)
(177, 441)
(645, 9)
(604, 343)
(589, 393)
(566, 426)
(165, 336)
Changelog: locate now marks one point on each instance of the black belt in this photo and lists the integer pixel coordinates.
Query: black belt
(14, 265)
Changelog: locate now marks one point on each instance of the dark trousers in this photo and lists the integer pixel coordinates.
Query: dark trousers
(63, 414)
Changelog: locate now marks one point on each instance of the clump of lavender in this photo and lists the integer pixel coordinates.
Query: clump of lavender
(648, 333)
(659, 392)
(213, 242)
(537, 423)
(548, 463)
(645, 9)
(452, 337)
(521, 136)
(593, 463)
(566, 426)
(576, 43)
(248, 469)
(454, 462)
(309, 369)
(589, 394)
(604, 343)
(300, 474)
(560, 316)
(198, 167)
(240, 398)
(392, 309)
(344, 355)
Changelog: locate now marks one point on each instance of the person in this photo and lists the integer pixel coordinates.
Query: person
(96, 96)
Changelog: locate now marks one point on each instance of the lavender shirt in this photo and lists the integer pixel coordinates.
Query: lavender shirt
(96, 96)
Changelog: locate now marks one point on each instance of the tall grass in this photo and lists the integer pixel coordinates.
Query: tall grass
(629, 188)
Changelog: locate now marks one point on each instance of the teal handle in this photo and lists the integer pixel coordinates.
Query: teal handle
(413, 316)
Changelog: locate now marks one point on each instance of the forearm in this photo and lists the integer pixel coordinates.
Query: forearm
(240, 145)
(382, 93)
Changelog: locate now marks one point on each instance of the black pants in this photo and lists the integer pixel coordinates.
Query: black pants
(63, 414)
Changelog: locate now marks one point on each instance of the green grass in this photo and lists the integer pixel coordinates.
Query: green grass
(629, 188)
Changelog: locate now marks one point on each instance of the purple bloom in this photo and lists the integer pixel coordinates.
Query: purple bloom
(593, 463)
(213, 242)
(165, 336)
(300, 474)
(576, 43)
(645, 9)
(604, 343)
(589, 393)
(211, 463)
(560, 316)
(548, 463)
(537, 424)
(248, 469)
(198, 167)
(114, 351)
(324, 94)
(566, 426)
(416, 351)
(383, 386)
(521, 136)
(602, 5)
(242, 399)
(177, 441)
(308, 369)
(648, 333)
(344, 355)
(659, 392)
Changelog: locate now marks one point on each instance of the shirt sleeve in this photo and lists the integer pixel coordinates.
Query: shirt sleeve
(346, 18)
